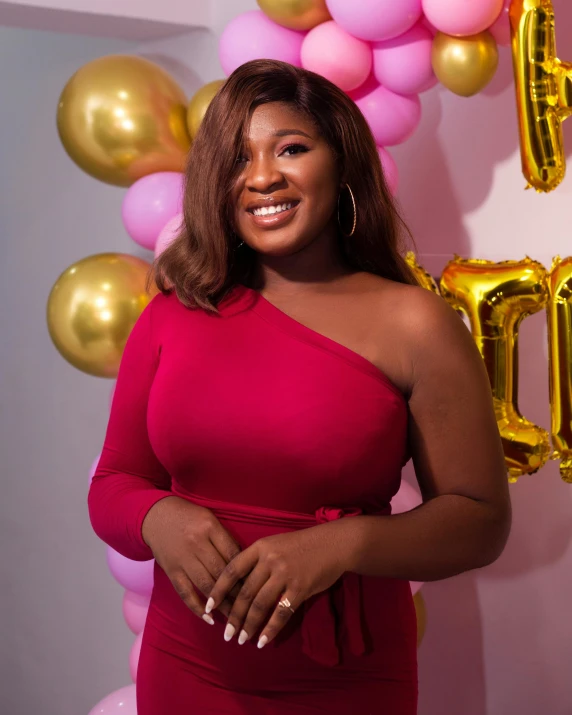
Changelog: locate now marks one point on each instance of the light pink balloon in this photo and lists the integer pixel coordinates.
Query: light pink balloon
(332, 52)
(93, 468)
(120, 702)
(150, 203)
(169, 232)
(132, 575)
(389, 170)
(135, 609)
(403, 64)
(392, 117)
(460, 17)
(406, 499)
(500, 29)
(134, 657)
(375, 19)
(252, 36)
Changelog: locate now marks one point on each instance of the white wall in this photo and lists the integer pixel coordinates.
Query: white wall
(498, 642)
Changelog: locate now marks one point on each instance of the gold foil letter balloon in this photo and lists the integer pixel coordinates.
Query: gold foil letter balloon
(465, 65)
(496, 297)
(296, 14)
(543, 92)
(424, 278)
(92, 308)
(560, 354)
(122, 117)
(199, 104)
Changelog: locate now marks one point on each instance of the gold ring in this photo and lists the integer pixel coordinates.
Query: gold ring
(285, 603)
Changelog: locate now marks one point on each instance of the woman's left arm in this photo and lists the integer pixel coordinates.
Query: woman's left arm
(464, 521)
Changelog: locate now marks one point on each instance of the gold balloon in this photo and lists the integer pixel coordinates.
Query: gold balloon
(560, 360)
(496, 297)
(425, 279)
(92, 308)
(122, 117)
(296, 14)
(199, 105)
(465, 65)
(421, 613)
(543, 92)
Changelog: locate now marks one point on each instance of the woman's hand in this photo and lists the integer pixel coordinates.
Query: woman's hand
(292, 566)
(192, 547)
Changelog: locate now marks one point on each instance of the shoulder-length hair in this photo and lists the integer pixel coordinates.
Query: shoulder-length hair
(205, 261)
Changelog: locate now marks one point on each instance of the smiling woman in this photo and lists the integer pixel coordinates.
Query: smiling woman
(266, 403)
(275, 135)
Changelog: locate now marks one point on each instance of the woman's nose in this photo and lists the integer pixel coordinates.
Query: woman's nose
(263, 174)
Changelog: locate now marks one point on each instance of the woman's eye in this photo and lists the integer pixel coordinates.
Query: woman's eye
(295, 149)
(241, 159)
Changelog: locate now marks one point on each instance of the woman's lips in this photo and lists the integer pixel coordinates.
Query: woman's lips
(273, 220)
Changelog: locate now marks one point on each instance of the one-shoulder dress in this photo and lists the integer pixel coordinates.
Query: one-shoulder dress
(274, 427)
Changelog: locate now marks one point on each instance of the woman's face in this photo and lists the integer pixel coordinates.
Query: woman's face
(286, 194)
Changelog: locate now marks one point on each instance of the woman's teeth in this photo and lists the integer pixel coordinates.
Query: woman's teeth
(268, 210)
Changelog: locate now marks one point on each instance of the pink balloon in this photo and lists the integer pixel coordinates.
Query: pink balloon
(93, 468)
(170, 231)
(500, 29)
(337, 56)
(132, 575)
(120, 702)
(150, 203)
(252, 36)
(459, 17)
(392, 117)
(406, 499)
(135, 609)
(403, 64)
(389, 170)
(375, 19)
(134, 657)
(112, 391)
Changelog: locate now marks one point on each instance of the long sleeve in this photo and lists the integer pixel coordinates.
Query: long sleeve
(129, 479)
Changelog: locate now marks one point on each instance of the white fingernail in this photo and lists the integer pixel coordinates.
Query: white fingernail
(210, 605)
(243, 637)
(208, 619)
(229, 631)
(262, 642)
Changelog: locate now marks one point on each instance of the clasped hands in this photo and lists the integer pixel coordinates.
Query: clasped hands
(197, 553)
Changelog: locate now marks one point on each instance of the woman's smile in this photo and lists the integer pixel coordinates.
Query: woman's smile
(271, 214)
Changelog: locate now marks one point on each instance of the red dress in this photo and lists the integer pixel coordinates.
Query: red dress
(275, 428)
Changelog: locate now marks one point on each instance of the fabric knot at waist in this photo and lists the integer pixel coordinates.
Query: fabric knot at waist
(327, 616)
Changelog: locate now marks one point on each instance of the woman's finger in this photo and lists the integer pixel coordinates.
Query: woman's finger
(247, 596)
(233, 572)
(261, 607)
(289, 600)
(224, 543)
(184, 587)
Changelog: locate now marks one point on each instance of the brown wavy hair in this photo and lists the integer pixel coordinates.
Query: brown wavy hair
(205, 261)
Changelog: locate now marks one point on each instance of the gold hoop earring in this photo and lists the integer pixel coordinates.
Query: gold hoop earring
(351, 233)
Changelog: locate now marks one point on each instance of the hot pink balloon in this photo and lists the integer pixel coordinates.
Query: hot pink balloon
(403, 64)
(169, 233)
(134, 657)
(406, 499)
(93, 468)
(389, 169)
(459, 17)
(120, 702)
(375, 19)
(253, 36)
(150, 203)
(337, 56)
(392, 117)
(500, 29)
(135, 609)
(132, 575)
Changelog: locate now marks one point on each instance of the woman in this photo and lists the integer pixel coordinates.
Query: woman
(266, 403)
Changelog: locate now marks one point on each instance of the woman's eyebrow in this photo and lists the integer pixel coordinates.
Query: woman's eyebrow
(287, 132)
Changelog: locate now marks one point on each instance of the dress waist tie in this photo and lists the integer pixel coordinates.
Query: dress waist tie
(323, 618)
